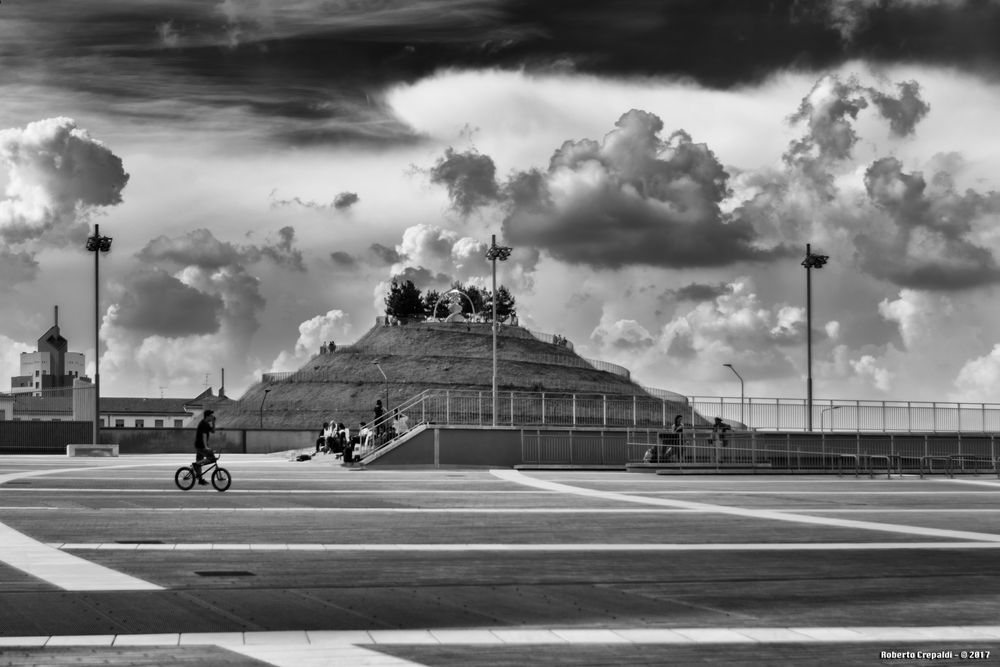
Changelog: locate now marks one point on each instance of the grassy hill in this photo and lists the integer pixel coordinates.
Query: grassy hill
(345, 384)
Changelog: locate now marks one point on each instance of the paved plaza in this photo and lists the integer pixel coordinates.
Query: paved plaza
(105, 561)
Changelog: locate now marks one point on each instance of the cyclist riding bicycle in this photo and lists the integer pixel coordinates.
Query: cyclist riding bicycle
(205, 428)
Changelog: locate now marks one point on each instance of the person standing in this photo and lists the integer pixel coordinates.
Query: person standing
(719, 429)
(379, 422)
(201, 436)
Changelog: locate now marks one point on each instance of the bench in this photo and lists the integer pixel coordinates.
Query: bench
(92, 450)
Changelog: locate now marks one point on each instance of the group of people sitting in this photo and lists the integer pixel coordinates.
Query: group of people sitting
(336, 438)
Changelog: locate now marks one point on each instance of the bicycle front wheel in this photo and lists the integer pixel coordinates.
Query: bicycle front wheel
(221, 479)
(184, 478)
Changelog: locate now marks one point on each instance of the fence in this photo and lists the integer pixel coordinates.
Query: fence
(783, 414)
(841, 452)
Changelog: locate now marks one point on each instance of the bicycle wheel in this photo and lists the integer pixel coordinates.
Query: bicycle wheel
(184, 478)
(221, 479)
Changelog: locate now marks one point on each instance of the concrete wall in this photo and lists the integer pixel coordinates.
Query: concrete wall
(457, 446)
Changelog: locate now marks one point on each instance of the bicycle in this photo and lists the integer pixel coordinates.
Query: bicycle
(186, 476)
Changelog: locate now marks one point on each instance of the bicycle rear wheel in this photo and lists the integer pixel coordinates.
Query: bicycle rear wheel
(221, 479)
(184, 478)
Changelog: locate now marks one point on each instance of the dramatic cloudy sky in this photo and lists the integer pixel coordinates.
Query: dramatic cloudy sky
(266, 166)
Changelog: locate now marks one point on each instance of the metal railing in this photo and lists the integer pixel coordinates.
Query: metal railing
(858, 453)
(784, 414)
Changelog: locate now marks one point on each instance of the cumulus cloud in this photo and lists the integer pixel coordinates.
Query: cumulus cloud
(202, 249)
(979, 377)
(470, 178)
(926, 238)
(441, 253)
(159, 303)
(623, 334)
(385, 254)
(10, 356)
(915, 313)
(334, 325)
(57, 175)
(631, 198)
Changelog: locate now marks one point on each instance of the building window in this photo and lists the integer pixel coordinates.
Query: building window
(178, 423)
(36, 373)
(119, 423)
(36, 385)
(139, 423)
(158, 423)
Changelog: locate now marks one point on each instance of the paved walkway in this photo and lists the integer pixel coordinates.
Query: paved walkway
(309, 564)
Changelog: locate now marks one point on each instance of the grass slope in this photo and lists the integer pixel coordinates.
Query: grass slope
(344, 385)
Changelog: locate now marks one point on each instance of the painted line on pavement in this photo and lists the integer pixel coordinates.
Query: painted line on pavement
(57, 567)
(313, 641)
(61, 569)
(518, 478)
(494, 510)
(582, 547)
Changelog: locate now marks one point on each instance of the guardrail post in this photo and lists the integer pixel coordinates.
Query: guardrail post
(958, 409)
(574, 409)
(635, 410)
(447, 406)
(511, 408)
(934, 416)
(543, 407)
(909, 417)
(481, 409)
(604, 409)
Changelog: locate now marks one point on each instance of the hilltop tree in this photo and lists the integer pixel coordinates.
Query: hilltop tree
(506, 306)
(431, 297)
(403, 300)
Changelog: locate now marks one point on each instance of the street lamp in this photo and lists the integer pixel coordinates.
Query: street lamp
(812, 261)
(386, 385)
(730, 367)
(266, 392)
(97, 244)
(496, 252)
(822, 413)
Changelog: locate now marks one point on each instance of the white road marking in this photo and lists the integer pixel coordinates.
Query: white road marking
(61, 569)
(314, 647)
(517, 478)
(580, 547)
(475, 510)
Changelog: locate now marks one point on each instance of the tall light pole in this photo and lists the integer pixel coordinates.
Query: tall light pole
(97, 244)
(496, 252)
(386, 386)
(730, 367)
(812, 261)
(266, 392)
(822, 413)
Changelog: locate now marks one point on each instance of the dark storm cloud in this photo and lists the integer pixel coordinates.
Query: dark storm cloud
(345, 200)
(156, 303)
(342, 201)
(928, 239)
(341, 258)
(632, 198)
(385, 254)
(470, 178)
(698, 292)
(320, 65)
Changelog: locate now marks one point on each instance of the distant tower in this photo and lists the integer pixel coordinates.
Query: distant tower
(52, 367)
